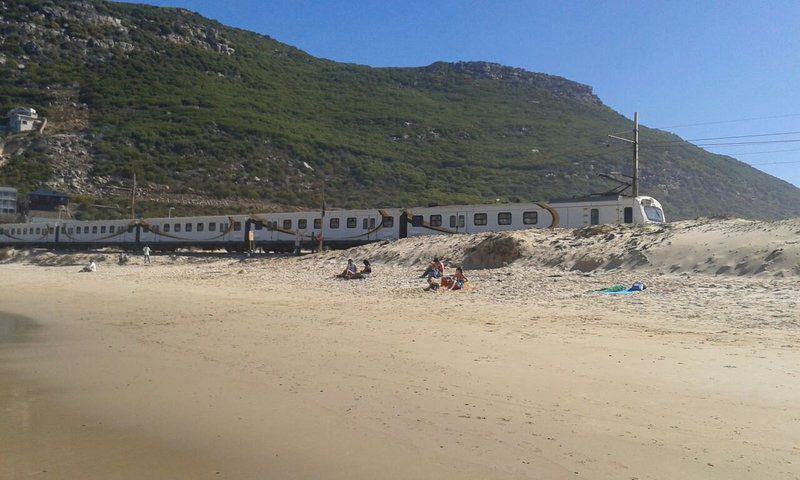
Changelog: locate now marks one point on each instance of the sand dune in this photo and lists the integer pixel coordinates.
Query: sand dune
(710, 246)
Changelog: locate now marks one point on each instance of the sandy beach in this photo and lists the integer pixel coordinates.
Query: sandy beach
(222, 367)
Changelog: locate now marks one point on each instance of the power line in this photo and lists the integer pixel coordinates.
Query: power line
(759, 142)
(730, 121)
(743, 136)
(776, 163)
(760, 153)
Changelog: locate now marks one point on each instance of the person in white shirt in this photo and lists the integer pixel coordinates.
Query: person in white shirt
(146, 251)
(298, 241)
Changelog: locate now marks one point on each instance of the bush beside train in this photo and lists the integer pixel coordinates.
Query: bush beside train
(339, 228)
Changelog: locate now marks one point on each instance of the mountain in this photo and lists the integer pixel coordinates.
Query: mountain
(215, 117)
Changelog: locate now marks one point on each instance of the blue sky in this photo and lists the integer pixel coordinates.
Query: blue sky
(676, 62)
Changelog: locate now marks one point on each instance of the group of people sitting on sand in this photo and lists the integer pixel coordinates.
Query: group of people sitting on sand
(435, 275)
(351, 272)
(435, 271)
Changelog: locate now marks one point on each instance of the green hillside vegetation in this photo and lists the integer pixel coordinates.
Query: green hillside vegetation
(167, 98)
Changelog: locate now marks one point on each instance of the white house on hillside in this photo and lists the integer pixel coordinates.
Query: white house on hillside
(22, 119)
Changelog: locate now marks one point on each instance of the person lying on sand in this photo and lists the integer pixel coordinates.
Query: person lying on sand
(432, 285)
(349, 270)
(435, 269)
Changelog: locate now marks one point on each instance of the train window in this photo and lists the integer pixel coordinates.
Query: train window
(479, 219)
(436, 220)
(365, 224)
(224, 226)
(212, 227)
(352, 222)
(260, 225)
(94, 229)
(372, 223)
(201, 227)
(287, 224)
(176, 228)
(317, 223)
(334, 223)
(63, 229)
(102, 229)
(86, 229)
(462, 221)
(654, 214)
(50, 230)
(530, 218)
(237, 226)
(166, 227)
(594, 215)
(504, 218)
(155, 228)
(453, 221)
(417, 220)
(388, 222)
(188, 227)
(628, 214)
(24, 231)
(302, 224)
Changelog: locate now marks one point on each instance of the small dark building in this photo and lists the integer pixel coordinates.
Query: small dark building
(45, 200)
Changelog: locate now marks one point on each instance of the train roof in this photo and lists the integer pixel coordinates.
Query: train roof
(589, 198)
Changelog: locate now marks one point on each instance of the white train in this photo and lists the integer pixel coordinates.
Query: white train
(339, 228)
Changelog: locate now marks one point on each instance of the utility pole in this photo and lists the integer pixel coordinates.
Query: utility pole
(133, 198)
(635, 154)
(322, 218)
(635, 143)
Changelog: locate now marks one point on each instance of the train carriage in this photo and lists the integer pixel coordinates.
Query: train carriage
(208, 232)
(339, 228)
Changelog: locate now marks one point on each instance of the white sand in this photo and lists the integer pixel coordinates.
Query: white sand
(268, 368)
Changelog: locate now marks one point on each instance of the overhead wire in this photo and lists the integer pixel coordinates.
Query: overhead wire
(718, 122)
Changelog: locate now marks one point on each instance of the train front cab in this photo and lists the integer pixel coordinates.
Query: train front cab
(648, 210)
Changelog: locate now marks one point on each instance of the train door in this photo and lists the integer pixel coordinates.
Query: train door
(403, 226)
(268, 231)
(594, 216)
(367, 225)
